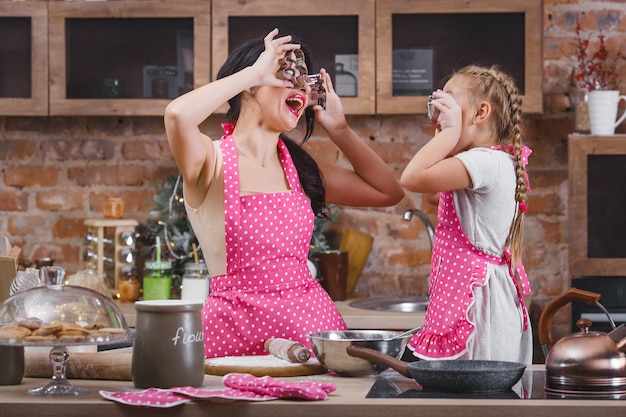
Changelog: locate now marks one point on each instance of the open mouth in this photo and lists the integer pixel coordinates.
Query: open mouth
(295, 103)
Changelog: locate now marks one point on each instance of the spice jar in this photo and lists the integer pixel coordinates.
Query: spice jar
(195, 282)
(157, 280)
(113, 208)
(128, 287)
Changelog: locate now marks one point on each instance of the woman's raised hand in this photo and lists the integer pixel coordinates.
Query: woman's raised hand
(268, 64)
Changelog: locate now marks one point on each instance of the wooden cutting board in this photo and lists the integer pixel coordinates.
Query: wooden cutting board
(102, 365)
(262, 365)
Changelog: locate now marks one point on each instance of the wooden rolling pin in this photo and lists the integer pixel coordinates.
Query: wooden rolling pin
(287, 349)
(82, 365)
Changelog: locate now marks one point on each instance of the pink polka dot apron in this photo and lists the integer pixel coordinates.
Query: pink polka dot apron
(457, 267)
(268, 290)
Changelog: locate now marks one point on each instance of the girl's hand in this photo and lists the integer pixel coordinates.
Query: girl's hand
(333, 117)
(450, 113)
(267, 64)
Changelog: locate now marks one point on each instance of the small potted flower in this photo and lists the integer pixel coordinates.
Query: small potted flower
(594, 75)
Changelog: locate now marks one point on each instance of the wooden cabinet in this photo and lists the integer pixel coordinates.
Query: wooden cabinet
(130, 57)
(420, 42)
(339, 34)
(126, 57)
(23, 58)
(597, 203)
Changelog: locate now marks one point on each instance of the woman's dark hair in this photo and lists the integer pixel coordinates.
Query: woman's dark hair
(310, 175)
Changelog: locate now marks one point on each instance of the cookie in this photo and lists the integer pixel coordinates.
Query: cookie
(71, 339)
(40, 339)
(48, 329)
(11, 331)
(32, 323)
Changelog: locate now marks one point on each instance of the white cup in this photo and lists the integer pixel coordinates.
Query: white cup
(603, 106)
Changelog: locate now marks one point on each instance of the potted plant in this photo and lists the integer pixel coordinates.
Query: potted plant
(595, 78)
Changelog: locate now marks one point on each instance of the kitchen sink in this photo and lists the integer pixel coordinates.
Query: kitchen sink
(403, 304)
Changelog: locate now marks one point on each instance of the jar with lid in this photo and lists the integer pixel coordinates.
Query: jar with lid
(128, 286)
(157, 280)
(195, 282)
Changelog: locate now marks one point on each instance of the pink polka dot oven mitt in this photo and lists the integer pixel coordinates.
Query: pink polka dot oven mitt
(241, 387)
(280, 389)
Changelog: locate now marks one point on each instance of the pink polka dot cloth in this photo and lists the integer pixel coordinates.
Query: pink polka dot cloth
(241, 387)
(152, 397)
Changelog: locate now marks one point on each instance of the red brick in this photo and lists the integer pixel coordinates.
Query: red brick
(29, 176)
(69, 228)
(15, 150)
(60, 200)
(12, 200)
(93, 175)
(33, 225)
(146, 150)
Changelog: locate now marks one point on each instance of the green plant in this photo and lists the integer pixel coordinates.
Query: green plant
(168, 220)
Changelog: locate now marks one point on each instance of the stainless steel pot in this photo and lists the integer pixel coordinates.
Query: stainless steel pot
(584, 363)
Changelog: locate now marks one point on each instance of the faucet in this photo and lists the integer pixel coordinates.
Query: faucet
(408, 215)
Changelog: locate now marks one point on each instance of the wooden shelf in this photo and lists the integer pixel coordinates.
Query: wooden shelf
(460, 33)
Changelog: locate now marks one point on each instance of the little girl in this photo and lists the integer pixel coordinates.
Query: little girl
(476, 163)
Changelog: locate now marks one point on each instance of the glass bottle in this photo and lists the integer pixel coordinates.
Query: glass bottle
(195, 282)
(157, 280)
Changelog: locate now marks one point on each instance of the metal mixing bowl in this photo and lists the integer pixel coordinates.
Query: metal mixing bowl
(330, 349)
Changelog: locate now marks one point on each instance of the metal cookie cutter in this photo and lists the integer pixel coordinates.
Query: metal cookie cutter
(318, 92)
(293, 68)
(433, 113)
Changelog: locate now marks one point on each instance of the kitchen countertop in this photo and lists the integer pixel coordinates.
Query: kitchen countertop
(348, 400)
(355, 318)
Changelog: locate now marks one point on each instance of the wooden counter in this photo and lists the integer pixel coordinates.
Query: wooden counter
(348, 400)
(355, 318)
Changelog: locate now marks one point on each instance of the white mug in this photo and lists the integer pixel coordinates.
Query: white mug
(603, 106)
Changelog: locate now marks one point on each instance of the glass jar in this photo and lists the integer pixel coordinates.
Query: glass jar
(128, 286)
(579, 100)
(195, 282)
(157, 280)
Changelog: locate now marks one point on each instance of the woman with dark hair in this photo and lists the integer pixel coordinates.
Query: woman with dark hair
(252, 196)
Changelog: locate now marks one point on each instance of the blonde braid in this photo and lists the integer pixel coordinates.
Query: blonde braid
(514, 240)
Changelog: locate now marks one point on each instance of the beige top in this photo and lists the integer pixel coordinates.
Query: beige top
(207, 220)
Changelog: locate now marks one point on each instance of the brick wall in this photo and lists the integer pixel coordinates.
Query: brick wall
(57, 171)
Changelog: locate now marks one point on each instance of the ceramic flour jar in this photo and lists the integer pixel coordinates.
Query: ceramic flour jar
(168, 350)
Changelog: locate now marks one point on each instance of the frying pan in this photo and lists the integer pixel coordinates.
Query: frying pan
(461, 376)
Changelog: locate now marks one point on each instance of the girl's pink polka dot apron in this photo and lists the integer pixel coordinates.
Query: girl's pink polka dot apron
(268, 290)
(457, 266)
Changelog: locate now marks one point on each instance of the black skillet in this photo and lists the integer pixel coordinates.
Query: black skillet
(462, 376)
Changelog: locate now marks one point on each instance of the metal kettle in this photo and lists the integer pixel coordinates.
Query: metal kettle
(587, 362)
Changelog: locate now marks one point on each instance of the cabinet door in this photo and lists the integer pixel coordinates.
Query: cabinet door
(596, 206)
(420, 42)
(126, 57)
(339, 34)
(23, 58)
